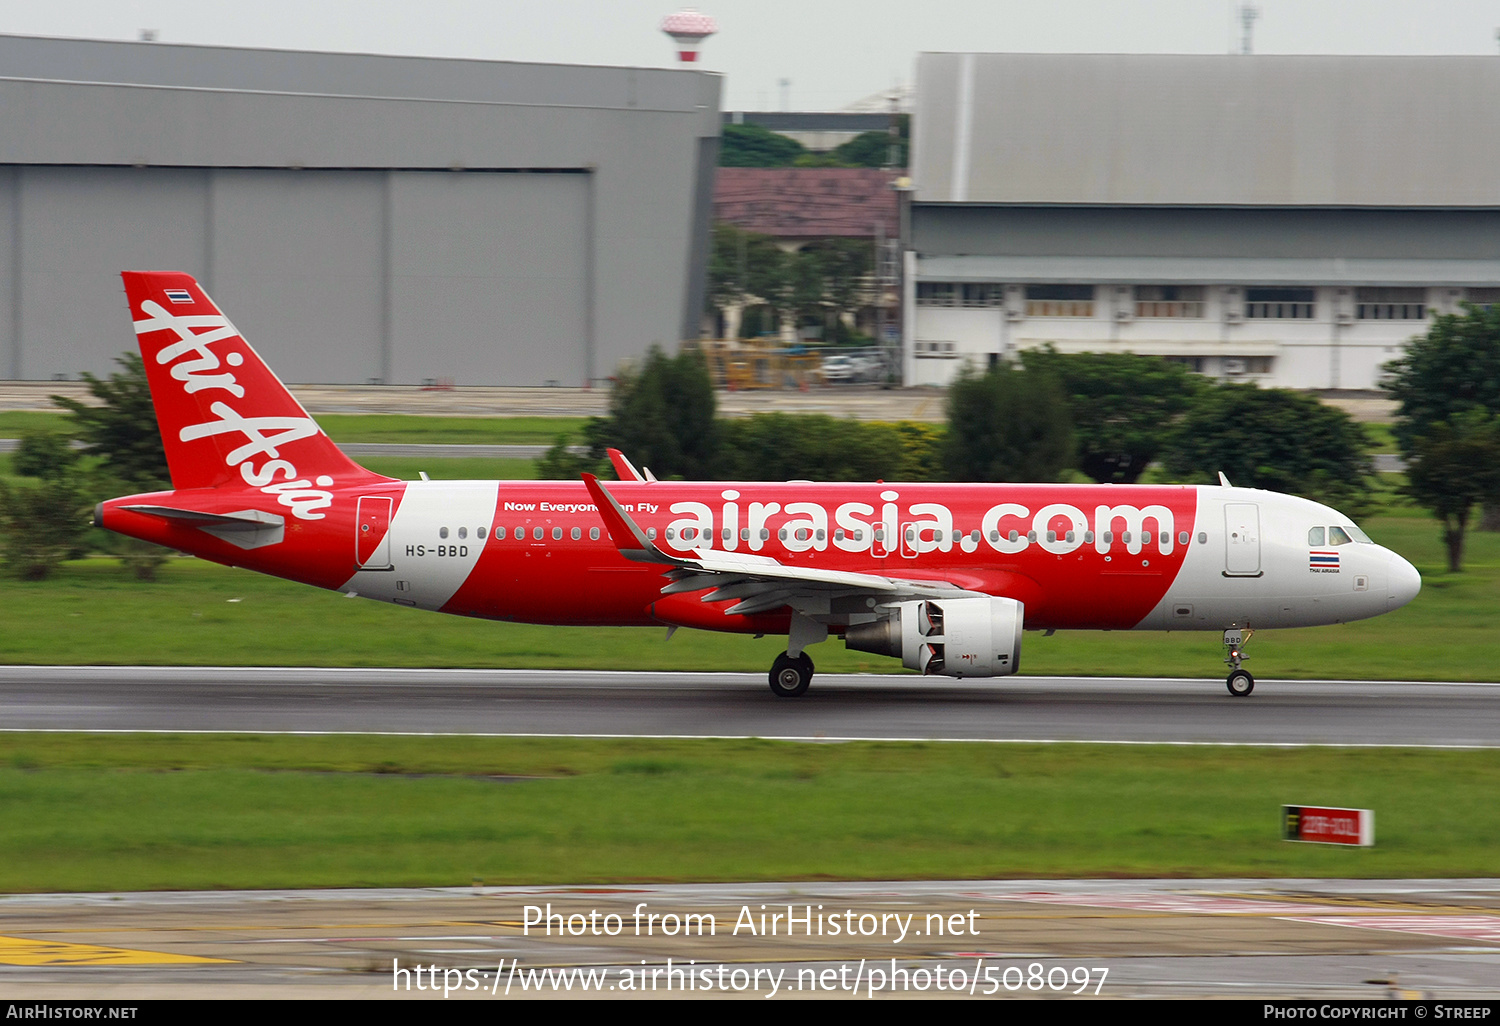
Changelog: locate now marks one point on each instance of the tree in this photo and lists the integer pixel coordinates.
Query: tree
(1277, 439)
(745, 266)
(1008, 424)
(843, 264)
(1124, 407)
(122, 433)
(41, 525)
(783, 446)
(122, 429)
(662, 417)
(1450, 370)
(754, 146)
(873, 148)
(805, 287)
(1453, 467)
(44, 454)
(561, 463)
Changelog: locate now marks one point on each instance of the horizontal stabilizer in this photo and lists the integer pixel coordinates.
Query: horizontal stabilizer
(246, 528)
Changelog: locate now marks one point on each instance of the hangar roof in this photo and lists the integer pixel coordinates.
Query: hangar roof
(346, 74)
(1207, 130)
(86, 102)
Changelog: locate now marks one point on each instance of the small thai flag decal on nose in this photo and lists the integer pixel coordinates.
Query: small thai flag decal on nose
(1322, 560)
(179, 295)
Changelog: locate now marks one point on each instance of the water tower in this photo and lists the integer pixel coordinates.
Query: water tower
(688, 29)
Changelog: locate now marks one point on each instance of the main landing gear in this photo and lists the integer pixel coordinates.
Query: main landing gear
(790, 677)
(1240, 682)
(791, 674)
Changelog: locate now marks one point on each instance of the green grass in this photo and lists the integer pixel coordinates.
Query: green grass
(15, 423)
(199, 613)
(1381, 436)
(265, 811)
(383, 427)
(451, 468)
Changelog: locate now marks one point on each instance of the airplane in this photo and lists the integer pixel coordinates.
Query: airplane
(943, 577)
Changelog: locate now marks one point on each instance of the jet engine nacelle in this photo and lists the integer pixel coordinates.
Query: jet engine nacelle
(964, 637)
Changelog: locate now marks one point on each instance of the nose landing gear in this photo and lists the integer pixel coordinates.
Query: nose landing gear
(1240, 682)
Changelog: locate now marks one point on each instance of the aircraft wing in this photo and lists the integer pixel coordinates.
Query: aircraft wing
(760, 583)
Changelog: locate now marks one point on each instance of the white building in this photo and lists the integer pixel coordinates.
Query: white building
(1286, 219)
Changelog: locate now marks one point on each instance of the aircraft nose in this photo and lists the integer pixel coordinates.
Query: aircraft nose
(1404, 583)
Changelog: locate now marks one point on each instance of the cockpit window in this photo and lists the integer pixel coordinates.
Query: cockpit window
(1315, 537)
(1358, 535)
(1338, 536)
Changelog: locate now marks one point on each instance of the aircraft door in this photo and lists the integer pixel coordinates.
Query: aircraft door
(372, 539)
(909, 539)
(1242, 539)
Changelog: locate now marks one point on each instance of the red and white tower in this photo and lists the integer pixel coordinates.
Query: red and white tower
(688, 29)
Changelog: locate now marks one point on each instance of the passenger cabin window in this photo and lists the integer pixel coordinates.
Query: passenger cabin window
(1315, 537)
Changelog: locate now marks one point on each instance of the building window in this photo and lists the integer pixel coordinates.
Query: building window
(937, 293)
(1059, 301)
(1192, 363)
(1169, 300)
(984, 295)
(1391, 304)
(1485, 299)
(1236, 365)
(935, 350)
(1297, 304)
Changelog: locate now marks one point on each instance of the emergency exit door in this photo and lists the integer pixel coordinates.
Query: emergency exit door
(372, 538)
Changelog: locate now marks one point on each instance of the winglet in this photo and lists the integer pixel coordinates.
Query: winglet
(624, 469)
(624, 532)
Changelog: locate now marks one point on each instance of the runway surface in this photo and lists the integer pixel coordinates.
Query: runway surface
(579, 702)
(1312, 939)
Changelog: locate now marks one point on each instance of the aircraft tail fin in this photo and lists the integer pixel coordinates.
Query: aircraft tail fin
(225, 418)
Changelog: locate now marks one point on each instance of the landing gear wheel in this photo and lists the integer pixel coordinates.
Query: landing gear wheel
(1240, 683)
(790, 677)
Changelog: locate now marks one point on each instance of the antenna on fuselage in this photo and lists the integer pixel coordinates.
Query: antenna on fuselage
(1224, 480)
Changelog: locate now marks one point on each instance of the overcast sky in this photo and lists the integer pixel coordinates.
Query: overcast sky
(834, 52)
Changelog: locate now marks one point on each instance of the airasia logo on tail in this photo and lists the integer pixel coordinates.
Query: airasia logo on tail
(192, 361)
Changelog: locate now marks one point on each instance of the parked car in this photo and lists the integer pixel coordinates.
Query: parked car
(838, 368)
(842, 368)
